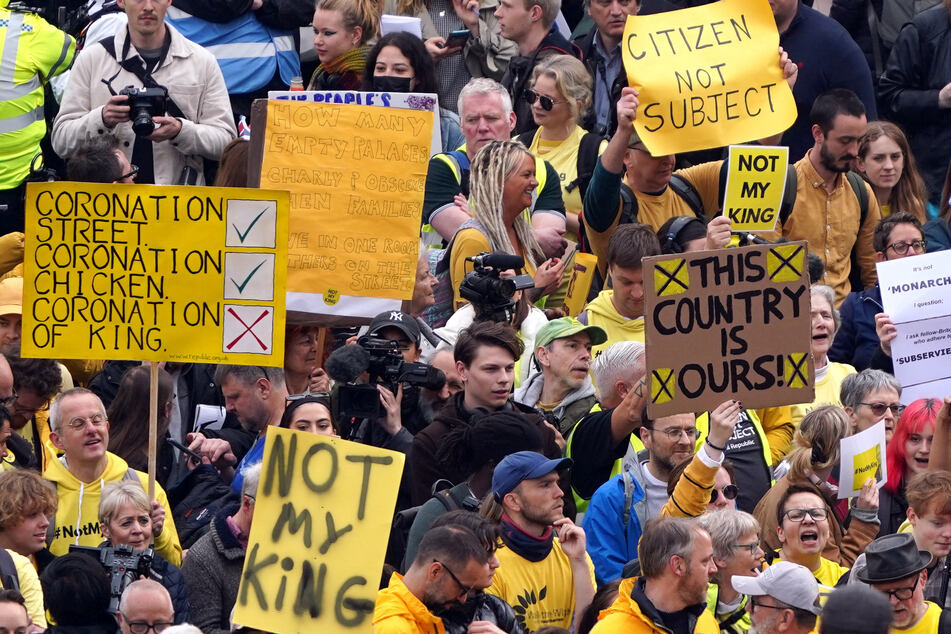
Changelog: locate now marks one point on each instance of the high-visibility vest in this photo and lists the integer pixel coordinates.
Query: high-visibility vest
(247, 50)
(32, 51)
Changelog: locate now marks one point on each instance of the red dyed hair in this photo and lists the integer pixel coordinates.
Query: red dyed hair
(922, 412)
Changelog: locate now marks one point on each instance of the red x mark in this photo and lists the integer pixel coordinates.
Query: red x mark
(247, 329)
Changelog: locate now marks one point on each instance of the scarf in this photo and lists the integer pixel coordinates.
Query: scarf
(352, 61)
(521, 543)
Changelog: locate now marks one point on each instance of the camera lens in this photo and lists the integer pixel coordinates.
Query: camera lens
(142, 123)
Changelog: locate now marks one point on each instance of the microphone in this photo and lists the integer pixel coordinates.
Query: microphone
(751, 238)
(346, 363)
(498, 261)
(428, 332)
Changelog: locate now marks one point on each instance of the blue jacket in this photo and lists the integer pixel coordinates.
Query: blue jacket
(612, 542)
(827, 58)
(937, 235)
(856, 341)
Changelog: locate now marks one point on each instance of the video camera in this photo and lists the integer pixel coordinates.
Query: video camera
(383, 361)
(145, 103)
(488, 292)
(123, 564)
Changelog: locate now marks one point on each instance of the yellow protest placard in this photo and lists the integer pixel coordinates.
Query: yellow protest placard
(192, 274)
(865, 465)
(321, 523)
(755, 186)
(356, 176)
(707, 76)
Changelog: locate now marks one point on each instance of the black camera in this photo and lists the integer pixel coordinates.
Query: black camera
(385, 367)
(123, 564)
(145, 103)
(488, 292)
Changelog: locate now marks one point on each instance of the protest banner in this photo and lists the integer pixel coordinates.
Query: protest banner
(356, 176)
(192, 274)
(728, 324)
(863, 457)
(706, 76)
(916, 295)
(755, 186)
(321, 524)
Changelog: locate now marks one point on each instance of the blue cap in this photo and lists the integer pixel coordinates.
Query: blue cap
(522, 465)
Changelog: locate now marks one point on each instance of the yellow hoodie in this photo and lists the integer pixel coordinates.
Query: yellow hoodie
(399, 611)
(625, 616)
(601, 312)
(77, 515)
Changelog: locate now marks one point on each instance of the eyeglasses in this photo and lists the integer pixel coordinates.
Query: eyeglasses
(730, 492)
(7, 401)
(465, 590)
(674, 433)
(798, 515)
(757, 604)
(80, 423)
(879, 408)
(134, 171)
(901, 248)
(902, 594)
(752, 546)
(143, 627)
(546, 102)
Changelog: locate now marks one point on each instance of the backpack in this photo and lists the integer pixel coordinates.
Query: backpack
(194, 502)
(403, 522)
(8, 571)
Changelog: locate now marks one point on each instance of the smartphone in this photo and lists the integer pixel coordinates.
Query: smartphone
(457, 38)
(194, 457)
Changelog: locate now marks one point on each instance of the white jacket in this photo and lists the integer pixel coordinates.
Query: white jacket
(194, 82)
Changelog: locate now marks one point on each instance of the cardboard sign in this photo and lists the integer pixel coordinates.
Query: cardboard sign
(730, 323)
(863, 457)
(192, 274)
(321, 523)
(755, 186)
(916, 294)
(356, 176)
(707, 76)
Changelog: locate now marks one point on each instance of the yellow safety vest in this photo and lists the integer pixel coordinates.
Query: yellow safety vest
(33, 51)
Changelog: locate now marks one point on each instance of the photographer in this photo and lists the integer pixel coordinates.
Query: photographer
(125, 521)
(402, 415)
(162, 136)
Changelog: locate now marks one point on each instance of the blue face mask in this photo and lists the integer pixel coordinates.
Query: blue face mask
(388, 83)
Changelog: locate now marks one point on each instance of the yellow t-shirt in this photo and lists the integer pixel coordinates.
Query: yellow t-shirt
(928, 624)
(541, 593)
(827, 390)
(828, 573)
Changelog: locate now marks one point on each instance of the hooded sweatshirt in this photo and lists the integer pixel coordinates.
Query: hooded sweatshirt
(399, 611)
(77, 515)
(583, 399)
(601, 312)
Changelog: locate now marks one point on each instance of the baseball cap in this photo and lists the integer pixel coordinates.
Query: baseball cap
(405, 322)
(565, 327)
(785, 581)
(522, 465)
(11, 296)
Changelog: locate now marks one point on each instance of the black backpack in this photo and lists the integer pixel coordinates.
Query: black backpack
(195, 500)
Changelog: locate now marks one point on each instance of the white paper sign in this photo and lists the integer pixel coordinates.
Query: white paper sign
(396, 23)
(916, 295)
(863, 457)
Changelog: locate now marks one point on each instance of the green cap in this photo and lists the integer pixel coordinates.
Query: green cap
(565, 327)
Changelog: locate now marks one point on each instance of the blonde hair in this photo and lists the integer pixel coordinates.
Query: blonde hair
(356, 13)
(115, 495)
(816, 441)
(493, 164)
(572, 81)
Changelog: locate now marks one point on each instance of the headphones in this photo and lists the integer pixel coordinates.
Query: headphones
(671, 244)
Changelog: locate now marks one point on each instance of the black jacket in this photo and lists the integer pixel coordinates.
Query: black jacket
(481, 607)
(918, 68)
(518, 75)
(591, 58)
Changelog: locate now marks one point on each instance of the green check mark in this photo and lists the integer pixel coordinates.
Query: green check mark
(241, 286)
(244, 235)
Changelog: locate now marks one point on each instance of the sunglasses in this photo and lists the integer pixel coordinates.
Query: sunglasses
(879, 408)
(546, 102)
(730, 492)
